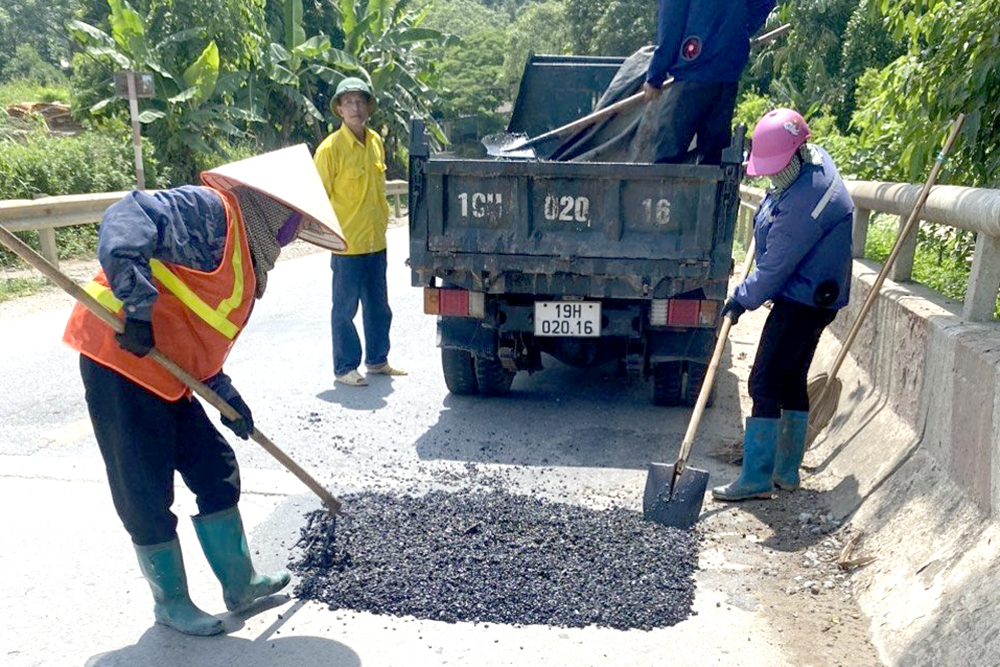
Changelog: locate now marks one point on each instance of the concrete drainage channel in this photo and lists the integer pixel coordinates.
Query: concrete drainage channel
(491, 556)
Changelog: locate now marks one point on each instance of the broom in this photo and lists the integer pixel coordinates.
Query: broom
(824, 389)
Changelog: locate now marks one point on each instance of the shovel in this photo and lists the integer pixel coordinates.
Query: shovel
(52, 273)
(517, 145)
(675, 493)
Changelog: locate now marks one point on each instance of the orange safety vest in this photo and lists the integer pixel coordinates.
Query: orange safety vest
(196, 317)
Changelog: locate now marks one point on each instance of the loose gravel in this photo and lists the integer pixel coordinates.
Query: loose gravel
(490, 556)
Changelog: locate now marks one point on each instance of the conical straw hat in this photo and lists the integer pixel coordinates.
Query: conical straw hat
(288, 175)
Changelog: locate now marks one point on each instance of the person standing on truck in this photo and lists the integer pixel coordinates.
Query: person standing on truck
(703, 45)
(185, 266)
(351, 163)
(802, 232)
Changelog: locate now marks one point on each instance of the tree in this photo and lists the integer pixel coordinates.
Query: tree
(192, 111)
(541, 28)
(386, 43)
(35, 23)
(294, 72)
(610, 27)
(951, 65)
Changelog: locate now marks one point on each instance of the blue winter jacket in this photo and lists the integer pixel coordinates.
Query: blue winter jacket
(803, 238)
(184, 225)
(705, 40)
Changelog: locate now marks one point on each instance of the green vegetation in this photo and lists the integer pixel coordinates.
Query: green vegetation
(15, 287)
(880, 82)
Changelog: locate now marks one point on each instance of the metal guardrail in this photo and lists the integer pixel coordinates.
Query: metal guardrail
(972, 209)
(46, 214)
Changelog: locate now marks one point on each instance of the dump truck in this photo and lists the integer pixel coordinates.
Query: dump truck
(587, 262)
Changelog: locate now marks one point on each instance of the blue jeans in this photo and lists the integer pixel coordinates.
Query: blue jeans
(359, 279)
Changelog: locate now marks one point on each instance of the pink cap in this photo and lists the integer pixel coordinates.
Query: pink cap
(776, 137)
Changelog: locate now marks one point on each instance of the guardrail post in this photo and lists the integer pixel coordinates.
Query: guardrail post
(859, 231)
(902, 269)
(984, 280)
(47, 240)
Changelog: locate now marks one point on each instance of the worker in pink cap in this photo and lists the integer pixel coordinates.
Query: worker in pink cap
(802, 232)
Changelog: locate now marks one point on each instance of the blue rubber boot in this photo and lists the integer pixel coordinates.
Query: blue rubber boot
(225, 545)
(754, 481)
(791, 448)
(163, 567)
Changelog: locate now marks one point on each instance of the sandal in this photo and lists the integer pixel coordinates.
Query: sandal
(352, 379)
(385, 369)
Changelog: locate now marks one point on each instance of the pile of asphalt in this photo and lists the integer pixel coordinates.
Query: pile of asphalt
(478, 556)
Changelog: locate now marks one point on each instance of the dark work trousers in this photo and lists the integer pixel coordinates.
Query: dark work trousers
(359, 279)
(143, 440)
(690, 108)
(779, 377)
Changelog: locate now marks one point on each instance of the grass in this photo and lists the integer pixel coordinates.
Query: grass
(13, 288)
(947, 275)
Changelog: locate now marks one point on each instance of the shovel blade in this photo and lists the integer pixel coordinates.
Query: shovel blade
(677, 507)
(509, 145)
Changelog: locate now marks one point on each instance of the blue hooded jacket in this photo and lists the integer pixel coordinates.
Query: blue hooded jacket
(705, 40)
(803, 238)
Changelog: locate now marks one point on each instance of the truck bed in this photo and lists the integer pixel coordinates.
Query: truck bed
(582, 229)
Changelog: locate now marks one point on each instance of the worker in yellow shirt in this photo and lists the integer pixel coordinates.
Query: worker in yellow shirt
(351, 164)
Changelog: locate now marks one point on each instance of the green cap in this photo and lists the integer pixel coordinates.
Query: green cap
(351, 84)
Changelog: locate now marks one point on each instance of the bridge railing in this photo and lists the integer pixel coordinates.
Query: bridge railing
(45, 214)
(972, 209)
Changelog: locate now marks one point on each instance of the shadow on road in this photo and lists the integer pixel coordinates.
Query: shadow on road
(160, 645)
(567, 416)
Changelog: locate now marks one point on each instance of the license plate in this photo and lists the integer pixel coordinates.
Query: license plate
(568, 318)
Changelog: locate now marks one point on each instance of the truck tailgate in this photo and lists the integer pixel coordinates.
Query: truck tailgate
(572, 210)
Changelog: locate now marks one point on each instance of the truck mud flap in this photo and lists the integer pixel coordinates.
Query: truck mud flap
(693, 344)
(464, 333)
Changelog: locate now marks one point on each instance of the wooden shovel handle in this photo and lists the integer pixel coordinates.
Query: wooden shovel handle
(709, 380)
(25, 252)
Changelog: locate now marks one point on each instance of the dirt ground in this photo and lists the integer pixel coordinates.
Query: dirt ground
(798, 557)
(787, 548)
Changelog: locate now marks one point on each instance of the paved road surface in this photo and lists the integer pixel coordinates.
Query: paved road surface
(71, 591)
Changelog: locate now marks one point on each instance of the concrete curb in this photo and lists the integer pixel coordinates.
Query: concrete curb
(912, 458)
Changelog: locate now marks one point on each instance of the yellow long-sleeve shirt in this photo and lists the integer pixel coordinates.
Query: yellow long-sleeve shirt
(353, 174)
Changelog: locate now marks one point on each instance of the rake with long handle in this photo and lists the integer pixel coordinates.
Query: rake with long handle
(23, 251)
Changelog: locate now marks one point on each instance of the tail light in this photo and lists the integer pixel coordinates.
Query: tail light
(454, 302)
(683, 313)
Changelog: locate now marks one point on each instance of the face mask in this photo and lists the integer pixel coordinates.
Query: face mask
(289, 230)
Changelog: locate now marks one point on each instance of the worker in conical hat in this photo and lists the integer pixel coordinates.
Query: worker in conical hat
(183, 267)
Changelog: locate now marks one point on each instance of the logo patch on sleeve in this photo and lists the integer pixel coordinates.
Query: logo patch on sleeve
(691, 48)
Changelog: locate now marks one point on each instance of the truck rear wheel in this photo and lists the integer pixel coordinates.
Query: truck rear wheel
(493, 378)
(668, 382)
(695, 377)
(459, 371)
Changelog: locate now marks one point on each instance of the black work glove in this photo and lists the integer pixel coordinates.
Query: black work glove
(137, 337)
(734, 309)
(223, 386)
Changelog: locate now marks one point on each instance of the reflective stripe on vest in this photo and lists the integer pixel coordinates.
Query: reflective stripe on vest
(213, 317)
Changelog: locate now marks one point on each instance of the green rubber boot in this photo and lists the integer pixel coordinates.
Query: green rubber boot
(225, 545)
(163, 567)
(791, 448)
(758, 463)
